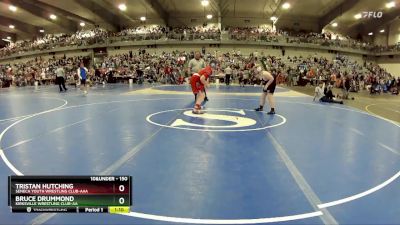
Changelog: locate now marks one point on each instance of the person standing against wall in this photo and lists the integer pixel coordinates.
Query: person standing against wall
(228, 75)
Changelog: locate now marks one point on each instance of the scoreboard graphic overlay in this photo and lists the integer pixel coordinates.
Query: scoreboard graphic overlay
(70, 194)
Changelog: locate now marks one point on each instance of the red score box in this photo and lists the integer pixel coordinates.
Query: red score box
(103, 188)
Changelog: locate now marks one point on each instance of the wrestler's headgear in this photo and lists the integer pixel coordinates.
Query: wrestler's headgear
(213, 64)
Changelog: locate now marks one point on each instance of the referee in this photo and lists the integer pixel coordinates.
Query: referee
(195, 65)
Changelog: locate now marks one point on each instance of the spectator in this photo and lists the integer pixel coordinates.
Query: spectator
(60, 80)
(324, 95)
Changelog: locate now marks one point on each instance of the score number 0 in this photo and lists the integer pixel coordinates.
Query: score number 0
(121, 188)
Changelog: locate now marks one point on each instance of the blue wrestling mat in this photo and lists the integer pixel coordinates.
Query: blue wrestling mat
(310, 163)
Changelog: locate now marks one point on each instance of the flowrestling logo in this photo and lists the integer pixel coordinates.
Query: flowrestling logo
(372, 14)
(215, 120)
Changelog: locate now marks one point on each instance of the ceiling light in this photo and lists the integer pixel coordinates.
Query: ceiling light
(370, 33)
(357, 16)
(53, 17)
(382, 31)
(82, 24)
(390, 4)
(205, 2)
(12, 8)
(9, 38)
(334, 24)
(122, 7)
(273, 18)
(209, 16)
(286, 5)
(41, 31)
(11, 26)
(143, 18)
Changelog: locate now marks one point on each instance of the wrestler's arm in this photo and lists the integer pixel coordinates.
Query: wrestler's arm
(204, 81)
